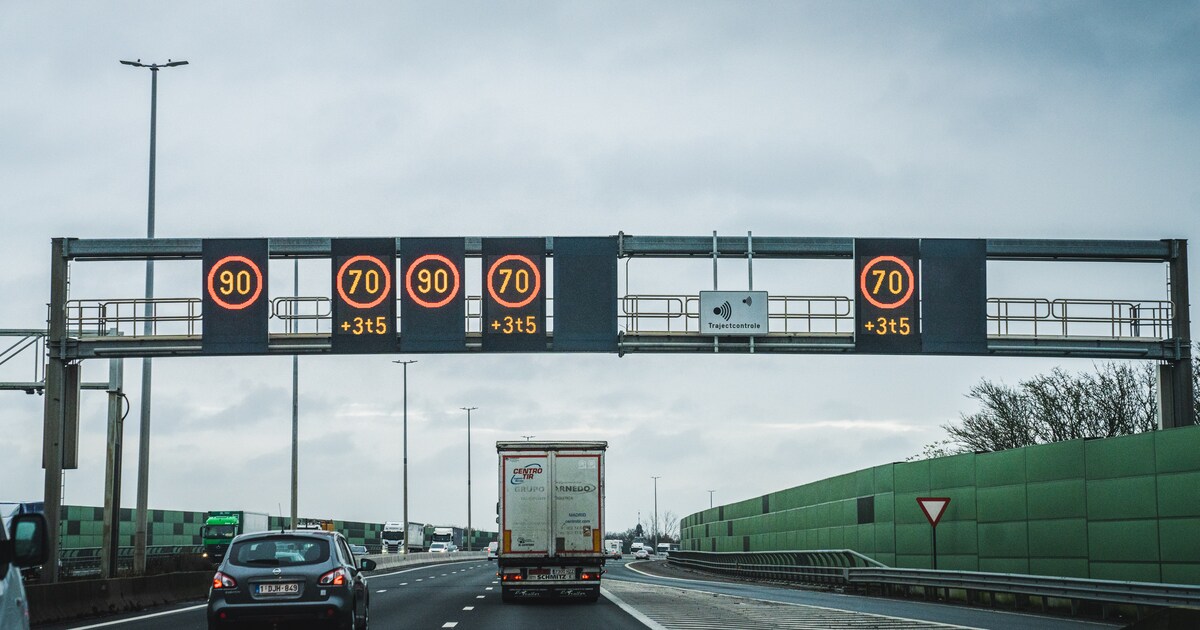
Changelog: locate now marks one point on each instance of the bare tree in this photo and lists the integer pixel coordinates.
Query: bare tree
(1114, 399)
(1002, 423)
(670, 526)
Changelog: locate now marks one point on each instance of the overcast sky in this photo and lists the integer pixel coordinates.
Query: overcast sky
(844, 119)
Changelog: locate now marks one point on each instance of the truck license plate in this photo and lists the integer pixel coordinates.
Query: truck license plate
(285, 588)
(552, 574)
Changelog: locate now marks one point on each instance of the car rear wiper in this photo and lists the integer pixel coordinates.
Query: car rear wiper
(274, 561)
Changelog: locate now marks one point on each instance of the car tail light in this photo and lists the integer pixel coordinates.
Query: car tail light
(222, 581)
(336, 577)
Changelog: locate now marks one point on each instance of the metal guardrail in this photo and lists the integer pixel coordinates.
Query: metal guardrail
(1107, 591)
(781, 566)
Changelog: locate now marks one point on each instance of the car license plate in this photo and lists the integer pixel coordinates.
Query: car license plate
(282, 588)
(552, 574)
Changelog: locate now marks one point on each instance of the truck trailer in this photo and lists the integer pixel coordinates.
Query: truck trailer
(393, 539)
(220, 527)
(551, 520)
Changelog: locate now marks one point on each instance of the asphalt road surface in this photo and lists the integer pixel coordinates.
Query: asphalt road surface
(466, 596)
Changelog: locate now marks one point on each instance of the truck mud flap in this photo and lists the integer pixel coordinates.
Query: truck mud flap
(579, 593)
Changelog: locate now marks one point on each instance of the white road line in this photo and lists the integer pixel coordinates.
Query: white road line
(487, 588)
(480, 596)
(150, 616)
(382, 590)
(404, 584)
(450, 624)
(633, 612)
(468, 608)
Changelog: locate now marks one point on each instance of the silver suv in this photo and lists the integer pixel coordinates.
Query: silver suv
(22, 545)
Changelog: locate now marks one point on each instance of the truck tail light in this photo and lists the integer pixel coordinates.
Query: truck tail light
(336, 577)
(222, 581)
(589, 575)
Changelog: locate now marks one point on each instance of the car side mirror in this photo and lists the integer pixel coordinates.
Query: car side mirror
(29, 539)
(366, 564)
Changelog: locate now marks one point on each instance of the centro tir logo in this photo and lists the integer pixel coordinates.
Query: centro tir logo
(525, 473)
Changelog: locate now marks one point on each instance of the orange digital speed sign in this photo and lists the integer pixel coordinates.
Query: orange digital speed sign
(887, 304)
(235, 308)
(514, 301)
(432, 302)
(364, 295)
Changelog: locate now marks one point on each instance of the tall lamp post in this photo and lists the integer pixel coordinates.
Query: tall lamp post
(528, 437)
(710, 498)
(406, 541)
(143, 478)
(656, 513)
(468, 410)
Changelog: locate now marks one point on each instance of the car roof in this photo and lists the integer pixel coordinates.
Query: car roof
(291, 533)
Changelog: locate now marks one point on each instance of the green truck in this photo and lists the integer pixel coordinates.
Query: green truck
(221, 526)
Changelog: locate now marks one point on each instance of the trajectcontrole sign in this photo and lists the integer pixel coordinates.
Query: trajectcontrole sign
(887, 313)
(234, 296)
(364, 295)
(514, 295)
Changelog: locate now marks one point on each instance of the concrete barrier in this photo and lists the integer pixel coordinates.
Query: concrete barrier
(385, 561)
(64, 601)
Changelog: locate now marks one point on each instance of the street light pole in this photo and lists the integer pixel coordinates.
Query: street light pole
(468, 410)
(528, 437)
(404, 550)
(656, 513)
(710, 498)
(139, 536)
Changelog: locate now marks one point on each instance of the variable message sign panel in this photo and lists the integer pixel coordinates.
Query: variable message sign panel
(364, 295)
(585, 294)
(235, 307)
(954, 296)
(887, 311)
(432, 296)
(514, 295)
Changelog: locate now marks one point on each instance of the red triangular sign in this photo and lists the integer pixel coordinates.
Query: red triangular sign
(933, 507)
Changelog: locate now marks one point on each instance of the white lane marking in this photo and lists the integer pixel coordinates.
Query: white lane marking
(487, 588)
(633, 612)
(420, 579)
(468, 608)
(382, 590)
(150, 616)
(450, 624)
(480, 596)
(404, 584)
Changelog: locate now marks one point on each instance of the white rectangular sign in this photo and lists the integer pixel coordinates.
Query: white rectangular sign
(740, 313)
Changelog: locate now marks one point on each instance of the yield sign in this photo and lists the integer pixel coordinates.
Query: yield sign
(933, 507)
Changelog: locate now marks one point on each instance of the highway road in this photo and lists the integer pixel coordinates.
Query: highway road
(466, 596)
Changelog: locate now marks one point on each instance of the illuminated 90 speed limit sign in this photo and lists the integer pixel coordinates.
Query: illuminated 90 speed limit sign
(432, 301)
(235, 308)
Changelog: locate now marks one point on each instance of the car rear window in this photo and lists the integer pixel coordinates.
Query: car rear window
(280, 551)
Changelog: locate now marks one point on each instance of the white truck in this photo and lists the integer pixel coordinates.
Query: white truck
(393, 540)
(612, 548)
(551, 520)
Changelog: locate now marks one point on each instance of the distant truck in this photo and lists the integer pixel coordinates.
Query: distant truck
(551, 520)
(221, 526)
(450, 535)
(612, 548)
(322, 524)
(392, 539)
